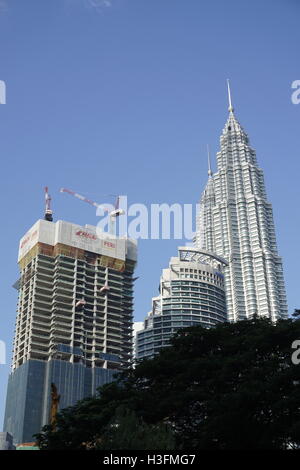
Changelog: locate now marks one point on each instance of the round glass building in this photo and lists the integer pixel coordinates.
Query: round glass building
(191, 292)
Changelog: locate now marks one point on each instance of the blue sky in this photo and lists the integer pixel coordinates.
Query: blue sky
(122, 97)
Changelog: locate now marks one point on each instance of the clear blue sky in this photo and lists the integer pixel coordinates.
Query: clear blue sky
(123, 99)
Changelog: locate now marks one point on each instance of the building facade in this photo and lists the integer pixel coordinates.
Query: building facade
(235, 221)
(74, 322)
(137, 326)
(191, 293)
(6, 441)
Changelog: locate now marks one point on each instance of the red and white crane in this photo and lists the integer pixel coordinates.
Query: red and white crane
(112, 214)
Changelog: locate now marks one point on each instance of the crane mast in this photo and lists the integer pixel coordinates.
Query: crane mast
(48, 211)
(112, 214)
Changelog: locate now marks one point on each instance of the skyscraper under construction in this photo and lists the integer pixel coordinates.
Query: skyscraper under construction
(74, 321)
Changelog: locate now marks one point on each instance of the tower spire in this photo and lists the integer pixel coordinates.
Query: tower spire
(210, 173)
(231, 108)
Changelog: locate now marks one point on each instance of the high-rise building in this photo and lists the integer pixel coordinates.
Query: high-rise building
(74, 321)
(235, 221)
(6, 441)
(191, 293)
(137, 326)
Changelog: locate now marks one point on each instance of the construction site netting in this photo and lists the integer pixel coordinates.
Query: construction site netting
(72, 252)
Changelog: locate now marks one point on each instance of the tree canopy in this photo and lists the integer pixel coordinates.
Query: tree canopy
(233, 386)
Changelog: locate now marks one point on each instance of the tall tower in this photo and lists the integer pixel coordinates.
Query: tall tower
(74, 321)
(235, 221)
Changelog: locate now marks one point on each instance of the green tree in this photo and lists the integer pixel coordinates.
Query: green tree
(229, 387)
(127, 431)
(296, 313)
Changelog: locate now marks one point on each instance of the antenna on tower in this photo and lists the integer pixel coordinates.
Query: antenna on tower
(231, 108)
(210, 173)
(48, 212)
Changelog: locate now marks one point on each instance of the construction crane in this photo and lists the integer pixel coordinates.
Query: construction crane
(112, 214)
(48, 212)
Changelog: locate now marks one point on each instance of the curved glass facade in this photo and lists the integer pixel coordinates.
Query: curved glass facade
(191, 293)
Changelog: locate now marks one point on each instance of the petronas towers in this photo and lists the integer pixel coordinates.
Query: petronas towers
(235, 221)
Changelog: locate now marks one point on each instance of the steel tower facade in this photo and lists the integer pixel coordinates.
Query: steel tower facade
(235, 221)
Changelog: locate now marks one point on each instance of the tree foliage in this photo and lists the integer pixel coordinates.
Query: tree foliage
(127, 431)
(229, 387)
